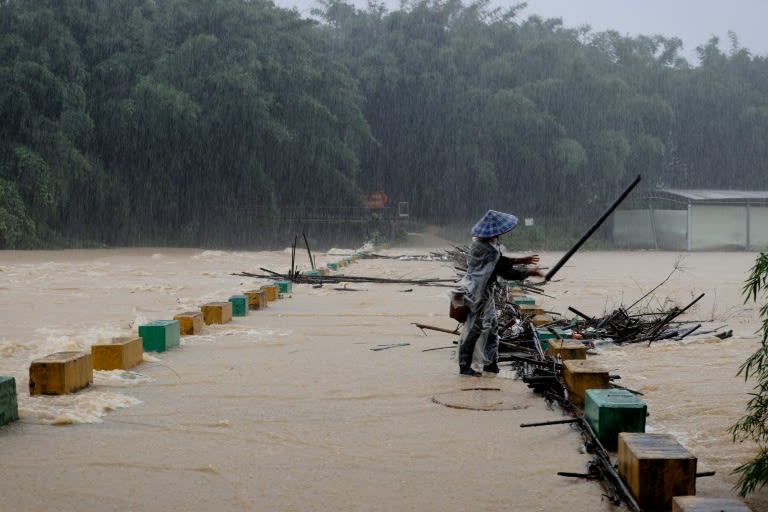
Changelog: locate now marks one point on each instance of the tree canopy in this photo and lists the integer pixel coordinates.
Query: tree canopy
(212, 122)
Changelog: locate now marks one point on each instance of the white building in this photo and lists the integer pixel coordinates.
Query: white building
(695, 220)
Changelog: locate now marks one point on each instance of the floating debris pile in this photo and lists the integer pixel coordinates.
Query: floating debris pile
(303, 278)
(318, 276)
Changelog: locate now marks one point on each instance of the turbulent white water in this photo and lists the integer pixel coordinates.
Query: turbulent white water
(289, 409)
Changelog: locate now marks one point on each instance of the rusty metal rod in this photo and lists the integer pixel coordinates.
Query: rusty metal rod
(546, 423)
(439, 329)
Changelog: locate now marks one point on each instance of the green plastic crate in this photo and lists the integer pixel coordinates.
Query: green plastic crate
(160, 335)
(523, 299)
(9, 408)
(283, 286)
(544, 334)
(239, 305)
(612, 411)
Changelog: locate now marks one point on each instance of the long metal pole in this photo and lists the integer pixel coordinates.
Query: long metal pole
(591, 230)
(309, 252)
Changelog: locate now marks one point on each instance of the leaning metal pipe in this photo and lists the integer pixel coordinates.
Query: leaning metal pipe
(591, 230)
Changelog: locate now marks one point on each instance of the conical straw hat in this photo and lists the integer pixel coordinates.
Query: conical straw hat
(494, 224)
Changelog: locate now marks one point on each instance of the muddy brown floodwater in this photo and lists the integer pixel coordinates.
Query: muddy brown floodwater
(289, 409)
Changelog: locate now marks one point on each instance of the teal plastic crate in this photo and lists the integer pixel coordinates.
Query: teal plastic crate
(544, 334)
(523, 299)
(9, 408)
(612, 411)
(283, 286)
(239, 305)
(160, 335)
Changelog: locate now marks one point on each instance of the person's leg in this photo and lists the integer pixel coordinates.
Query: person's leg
(472, 330)
(491, 354)
(493, 365)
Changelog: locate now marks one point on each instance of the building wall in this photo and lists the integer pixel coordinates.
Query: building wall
(758, 228)
(700, 228)
(671, 229)
(632, 229)
(717, 227)
(650, 229)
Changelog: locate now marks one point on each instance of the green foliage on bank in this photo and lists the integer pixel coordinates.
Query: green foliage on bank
(219, 122)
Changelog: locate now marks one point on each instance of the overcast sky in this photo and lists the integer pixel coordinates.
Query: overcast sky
(693, 21)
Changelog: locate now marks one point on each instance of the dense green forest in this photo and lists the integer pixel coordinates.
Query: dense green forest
(231, 122)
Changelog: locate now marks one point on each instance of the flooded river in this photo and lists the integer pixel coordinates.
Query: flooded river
(289, 409)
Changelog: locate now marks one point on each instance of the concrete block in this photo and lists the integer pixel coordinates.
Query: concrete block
(217, 312)
(60, 373)
(530, 309)
(239, 305)
(697, 504)
(583, 374)
(9, 407)
(271, 290)
(543, 319)
(566, 350)
(190, 323)
(119, 354)
(160, 335)
(656, 468)
(257, 299)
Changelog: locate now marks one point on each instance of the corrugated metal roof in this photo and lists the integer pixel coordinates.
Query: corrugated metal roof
(717, 195)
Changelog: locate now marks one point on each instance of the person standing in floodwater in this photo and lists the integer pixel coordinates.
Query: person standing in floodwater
(479, 341)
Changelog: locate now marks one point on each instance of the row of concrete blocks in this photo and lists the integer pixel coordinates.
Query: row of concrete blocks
(656, 468)
(659, 472)
(336, 265)
(68, 372)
